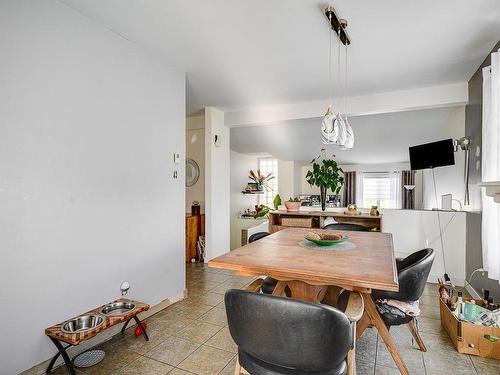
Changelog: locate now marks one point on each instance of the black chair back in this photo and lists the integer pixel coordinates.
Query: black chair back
(412, 276)
(275, 332)
(257, 236)
(347, 226)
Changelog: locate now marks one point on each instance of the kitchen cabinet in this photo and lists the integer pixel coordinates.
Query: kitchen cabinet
(195, 227)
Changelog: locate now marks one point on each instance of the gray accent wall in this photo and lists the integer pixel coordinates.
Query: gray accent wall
(473, 129)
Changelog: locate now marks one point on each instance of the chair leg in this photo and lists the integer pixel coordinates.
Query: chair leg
(351, 354)
(416, 336)
(377, 321)
(237, 368)
(351, 362)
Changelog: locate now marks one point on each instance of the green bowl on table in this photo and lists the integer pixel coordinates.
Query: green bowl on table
(327, 242)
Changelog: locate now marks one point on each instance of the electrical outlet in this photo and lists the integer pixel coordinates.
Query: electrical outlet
(175, 174)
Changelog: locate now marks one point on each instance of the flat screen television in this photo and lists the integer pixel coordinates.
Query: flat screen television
(432, 155)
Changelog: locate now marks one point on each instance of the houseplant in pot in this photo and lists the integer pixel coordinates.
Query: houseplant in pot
(293, 204)
(260, 179)
(325, 174)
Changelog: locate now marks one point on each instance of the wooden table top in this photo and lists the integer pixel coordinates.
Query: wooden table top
(371, 264)
(109, 321)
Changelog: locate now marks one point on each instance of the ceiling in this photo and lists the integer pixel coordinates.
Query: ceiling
(383, 138)
(238, 54)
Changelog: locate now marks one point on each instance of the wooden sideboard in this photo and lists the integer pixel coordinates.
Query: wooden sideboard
(317, 219)
(195, 227)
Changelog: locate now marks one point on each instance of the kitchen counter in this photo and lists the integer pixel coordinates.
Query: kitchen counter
(317, 217)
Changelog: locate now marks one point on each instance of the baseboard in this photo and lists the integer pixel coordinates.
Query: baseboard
(40, 368)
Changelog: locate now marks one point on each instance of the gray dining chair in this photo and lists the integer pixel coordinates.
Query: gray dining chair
(347, 226)
(294, 338)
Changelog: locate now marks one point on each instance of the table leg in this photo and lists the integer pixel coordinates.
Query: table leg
(139, 323)
(376, 320)
(306, 292)
(279, 289)
(125, 325)
(363, 324)
(62, 352)
(332, 295)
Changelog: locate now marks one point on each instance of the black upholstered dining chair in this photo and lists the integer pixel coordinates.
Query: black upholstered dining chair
(412, 276)
(257, 236)
(277, 335)
(269, 283)
(347, 226)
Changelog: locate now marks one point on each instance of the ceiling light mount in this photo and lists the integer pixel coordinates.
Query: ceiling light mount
(338, 25)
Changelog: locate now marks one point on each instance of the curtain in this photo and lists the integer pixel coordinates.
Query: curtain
(491, 167)
(359, 189)
(408, 196)
(349, 188)
(396, 193)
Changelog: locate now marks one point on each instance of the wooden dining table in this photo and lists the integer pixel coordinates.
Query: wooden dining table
(314, 274)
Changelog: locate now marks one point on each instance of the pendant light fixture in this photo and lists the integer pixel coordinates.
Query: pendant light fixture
(335, 127)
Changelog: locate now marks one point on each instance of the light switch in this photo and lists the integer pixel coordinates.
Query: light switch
(177, 157)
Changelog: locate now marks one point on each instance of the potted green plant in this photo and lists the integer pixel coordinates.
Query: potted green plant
(261, 211)
(293, 204)
(260, 179)
(277, 201)
(325, 174)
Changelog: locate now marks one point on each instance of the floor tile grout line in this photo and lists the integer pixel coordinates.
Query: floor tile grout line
(473, 364)
(376, 355)
(209, 347)
(423, 362)
(205, 343)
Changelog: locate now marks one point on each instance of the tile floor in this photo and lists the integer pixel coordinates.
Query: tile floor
(191, 337)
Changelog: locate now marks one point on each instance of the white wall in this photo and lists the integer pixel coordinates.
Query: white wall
(217, 184)
(241, 164)
(413, 230)
(297, 178)
(449, 179)
(286, 184)
(195, 149)
(88, 127)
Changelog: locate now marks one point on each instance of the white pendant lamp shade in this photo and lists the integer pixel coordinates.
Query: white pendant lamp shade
(341, 129)
(328, 133)
(349, 143)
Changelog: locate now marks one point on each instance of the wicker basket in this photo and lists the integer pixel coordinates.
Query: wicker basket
(297, 222)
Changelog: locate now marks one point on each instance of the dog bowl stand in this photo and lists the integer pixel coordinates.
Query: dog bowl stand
(58, 337)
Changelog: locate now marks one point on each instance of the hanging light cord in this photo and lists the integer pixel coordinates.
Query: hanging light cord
(338, 59)
(345, 83)
(330, 83)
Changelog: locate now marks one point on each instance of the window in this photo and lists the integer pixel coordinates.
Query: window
(267, 166)
(382, 189)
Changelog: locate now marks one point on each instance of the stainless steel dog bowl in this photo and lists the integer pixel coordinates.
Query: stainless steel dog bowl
(82, 323)
(117, 308)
